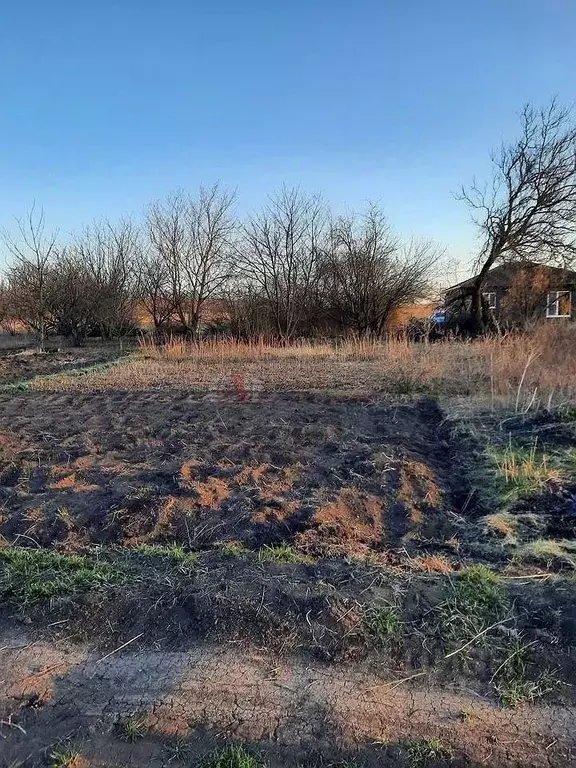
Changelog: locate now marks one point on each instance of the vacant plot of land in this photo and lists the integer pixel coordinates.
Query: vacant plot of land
(522, 371)
(197, 569)
(265, 702)
(328, 476)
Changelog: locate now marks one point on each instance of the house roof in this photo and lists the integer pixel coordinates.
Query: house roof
(503, 275)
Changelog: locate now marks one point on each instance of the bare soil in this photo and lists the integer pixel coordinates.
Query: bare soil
(68, 692)
(328, 475)
(380, 502)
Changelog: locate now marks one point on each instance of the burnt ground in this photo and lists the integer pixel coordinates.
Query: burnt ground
(319, 599)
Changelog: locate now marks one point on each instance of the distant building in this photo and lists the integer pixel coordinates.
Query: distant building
(520, 293)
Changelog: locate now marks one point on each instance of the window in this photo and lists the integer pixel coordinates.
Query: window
(490, 299)
(559, 304)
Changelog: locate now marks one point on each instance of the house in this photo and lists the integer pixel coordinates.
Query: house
(520, 293)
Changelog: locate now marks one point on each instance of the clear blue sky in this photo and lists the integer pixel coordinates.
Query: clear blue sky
(106, 105)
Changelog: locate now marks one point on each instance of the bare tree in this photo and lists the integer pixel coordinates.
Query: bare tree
(110, 253)
(248, 311)
(154, 287)
(32, 250)
(529, 211)
(8, 315)
(193, 239)
(280, 253)
(72, 296)
(367, 272)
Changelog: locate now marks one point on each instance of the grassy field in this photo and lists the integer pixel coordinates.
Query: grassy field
(228, 554)
(527, 372)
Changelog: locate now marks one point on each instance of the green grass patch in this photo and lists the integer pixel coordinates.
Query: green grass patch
(281, 553)
(548, 552)
(87, 370)
(180, 750)
(475, 601)
(513, 683)
(513, 690)
(479, 590)
(565, 414)
(231, 757)
(185, 560)
(30, 575)
(522, 472)
(382, 623)
(132, 728)
(420, 752)
(64, 756)
(235, 549)
(16, 386)
(65, 373)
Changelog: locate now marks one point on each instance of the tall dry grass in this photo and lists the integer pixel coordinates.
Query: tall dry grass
(259, 348)
(534, 369)
(527, 371)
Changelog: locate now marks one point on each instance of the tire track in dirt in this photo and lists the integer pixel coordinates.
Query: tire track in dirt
(254, 696)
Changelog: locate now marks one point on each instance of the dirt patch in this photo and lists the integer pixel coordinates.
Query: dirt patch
(258, 698)
(350, 524)
(418, 490)
(331, 476)
(433, 564)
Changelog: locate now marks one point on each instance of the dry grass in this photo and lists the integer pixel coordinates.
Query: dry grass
(527, 371)
(258, 349)
(523, 472)
(547, 551)
(432, 564)
(501, 524)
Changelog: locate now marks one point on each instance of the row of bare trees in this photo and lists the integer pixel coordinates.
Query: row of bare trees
(291, 269)
(87, 285)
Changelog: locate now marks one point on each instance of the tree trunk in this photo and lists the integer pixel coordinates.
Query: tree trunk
(476, 308)
(42, 336)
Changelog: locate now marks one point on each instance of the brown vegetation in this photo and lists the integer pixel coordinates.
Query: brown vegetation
(292, 269)
(526, 371)
(351, 524)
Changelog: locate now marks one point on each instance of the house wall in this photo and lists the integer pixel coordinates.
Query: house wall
(514, 305)
(522, 292)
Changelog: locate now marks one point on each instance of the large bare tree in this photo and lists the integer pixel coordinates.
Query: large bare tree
(528, 212)
(72, 296)
(367, 272)
(279, 255)
(192, 237)
(33, 248)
